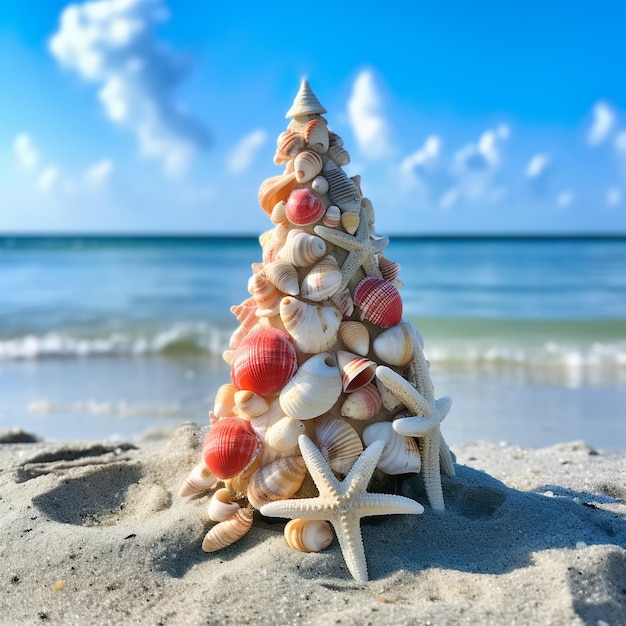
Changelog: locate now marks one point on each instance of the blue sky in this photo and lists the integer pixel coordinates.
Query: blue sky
(161, 116)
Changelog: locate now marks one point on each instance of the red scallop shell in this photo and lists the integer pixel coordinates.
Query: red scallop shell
(379, 301)
(230, 447)
(265, 360)
(304, 207)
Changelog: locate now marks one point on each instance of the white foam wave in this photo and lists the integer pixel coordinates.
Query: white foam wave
(45, 406)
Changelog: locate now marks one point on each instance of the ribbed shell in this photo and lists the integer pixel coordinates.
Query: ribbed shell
(278, 480)
(200, 479)
(362, 404)
(275, 189)
(313, 326)
(308, 535)
(304, 207)
(305, 102)
(355, 337)
(332, 217)
(265, 294)
(400, 455)
(342, 191)
(338, 442)
(283, 276)
(379, 301)
(288, 145)
(388, 268)
(339, 156)
(221, 505)
(301, 249)
(322, 281)
(316, 135)
(343, 301)
(307, 165)
(357, 371)
(228, 532)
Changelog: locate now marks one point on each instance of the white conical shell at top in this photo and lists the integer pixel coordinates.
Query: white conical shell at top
(305, 102)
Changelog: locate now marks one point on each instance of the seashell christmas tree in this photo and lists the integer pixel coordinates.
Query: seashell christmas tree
(331, 391)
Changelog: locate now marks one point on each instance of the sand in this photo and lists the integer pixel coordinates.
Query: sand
(94, 533)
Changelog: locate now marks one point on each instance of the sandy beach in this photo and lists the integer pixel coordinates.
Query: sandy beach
(95, 533)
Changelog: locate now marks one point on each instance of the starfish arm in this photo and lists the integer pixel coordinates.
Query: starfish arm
(419, 368)
(348, 530)
(446, 459)
(442, 407)
(404, 391)
(303, 508)
(336, 237)
(414, 426)
(431, 469)
(359, 475)
(387, 504)
(322, 475)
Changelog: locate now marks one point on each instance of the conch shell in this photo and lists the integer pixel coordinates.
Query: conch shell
(301, 249)
(305, 103)
(227, 532)
(357, 371)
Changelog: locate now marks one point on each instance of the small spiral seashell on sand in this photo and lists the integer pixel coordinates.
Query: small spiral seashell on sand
(228, 532)
(316, 135)
(200, 479)
(222, 506)
(308, 535)
(338, 442)
(400, 455)
(322, 281)
(355, 337)
(313, 326)
(301, 249)
(278, 480)
(307, 165)
(362, 404)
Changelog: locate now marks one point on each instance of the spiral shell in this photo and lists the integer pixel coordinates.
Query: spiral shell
(283, 276)
(275, 189)
(394, 345)
(332, 217)
(283, 435)
(200, 479)
(278, 480)
(342, 191)
(379, 301)
(307, 165)
(319, 185)
(338, 155)
(306, 535)
(264, 362)
(314, 388)
(228, 532)
(343, 301)
(316, 135)
(230, 446)
(322, 281)
(338, 442)
(355, 337)
(362, 404)
(265, 294)
(388, 268)
(225, 400)
(301, 249)
(221, 505)
(246, 314)
(288, 145)
(250, 404)
(350, 222)
(304, 207)
(313, 327)
(400, 455)
(357, 371)
(305, 102)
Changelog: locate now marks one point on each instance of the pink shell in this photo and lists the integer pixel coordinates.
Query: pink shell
(380, 302)
(230, 447)
(265, 360)
(304, 207)
(356, 371)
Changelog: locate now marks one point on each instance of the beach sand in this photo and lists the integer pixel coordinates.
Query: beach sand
(94, 533)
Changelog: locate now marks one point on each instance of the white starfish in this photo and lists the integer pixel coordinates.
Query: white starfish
(362, 249)
(343, 503)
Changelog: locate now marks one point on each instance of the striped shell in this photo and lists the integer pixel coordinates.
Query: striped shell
(356, 371)
(332, 217)
(343, 301)
(200, 479)
(313, 326)
(288, 145)
(362, 404)
(339, 156)
(319, 185)
(308, 535)
(350, 222)
(316, 135)
(400, 455)
(283, 276)
(394, 345)
(221, 505)
(301, 249)
(275, 189)
(307, 165)
(265, 294)
(338, 442)
(388, 268)
(283, 435)
(379, 301)
(228, 532)
(342, 191)
(355, 337)
(304, 207)
(305, 102)
(322, 281)
(278, 480)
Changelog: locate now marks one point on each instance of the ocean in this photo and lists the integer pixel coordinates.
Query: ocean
(112, 337)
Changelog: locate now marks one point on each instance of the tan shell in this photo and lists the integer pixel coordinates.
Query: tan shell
(400, 455)
(322, 281)
(350, 222)
(342, 191)
(250, 404)
(332, 217)
(338, 155)
(334, 139)
(288, 145)
(266, 296)
(221, 505)
(278, 480)
(278, 215)
(313, 327)
(338, 442)
(394, 345)
(305, 102)
(362, 404)
(343, 301)
(283, 276)
(246, 313)
(273, 244)
(390, 402)
(283, 435)
(313, 389)
(301, 249)
(356, 370)
(225, 400)
(308, 535)
(200, 479)
(275, 189)
(307, 165)
(319, 185)
(228, 532)
(316, 135)
(355, 337)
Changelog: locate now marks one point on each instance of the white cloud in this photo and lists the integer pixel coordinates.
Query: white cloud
(564, 199)
(242, 155)
(423, 158)
(620, 142)
(537, 166)
(112, 43)
(602, 124)
(26, 152)
(371, 129)
(449, 198)
(96, 175)
(613, 197)
(48, 178)
(484, 154)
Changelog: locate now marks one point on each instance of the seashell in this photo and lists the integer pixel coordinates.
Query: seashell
(366, 203)
(332, 216)
(305, 102)
(308, 535)
(266, 296)
(379, 301)
(288, 145)
(313, 326)
(250, 403)
(278, 480)
(264, 362)
(355, 337)
(314, 388)
(283, 276)
(229, 356)
(319, 185)
(228, 532)
(394, 345)
(307, 165)
(362, 404)
(338, 155)
(356, 179)
(342, 191)
(278, 215)
(316, 135)
(390, 402)
(334, 139)
(230, 447)
(322, 281)
(283, 435)
(400, 455)
(343, 301)
(275, 189)
(200, 479)
(246, 313)
(338, 442)
(350, 222)
(272, 245)
(225, 400)
(304, 207)
(221, 505)
(302, 249)
(389, 269)
(356, 371)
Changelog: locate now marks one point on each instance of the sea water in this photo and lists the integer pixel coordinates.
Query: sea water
(108, 337)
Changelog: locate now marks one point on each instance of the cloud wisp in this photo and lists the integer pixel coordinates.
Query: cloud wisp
(112, 43)
(602, 123)
(242, 155)
(26, 152)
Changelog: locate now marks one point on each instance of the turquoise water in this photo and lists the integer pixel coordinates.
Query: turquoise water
(115, 335)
